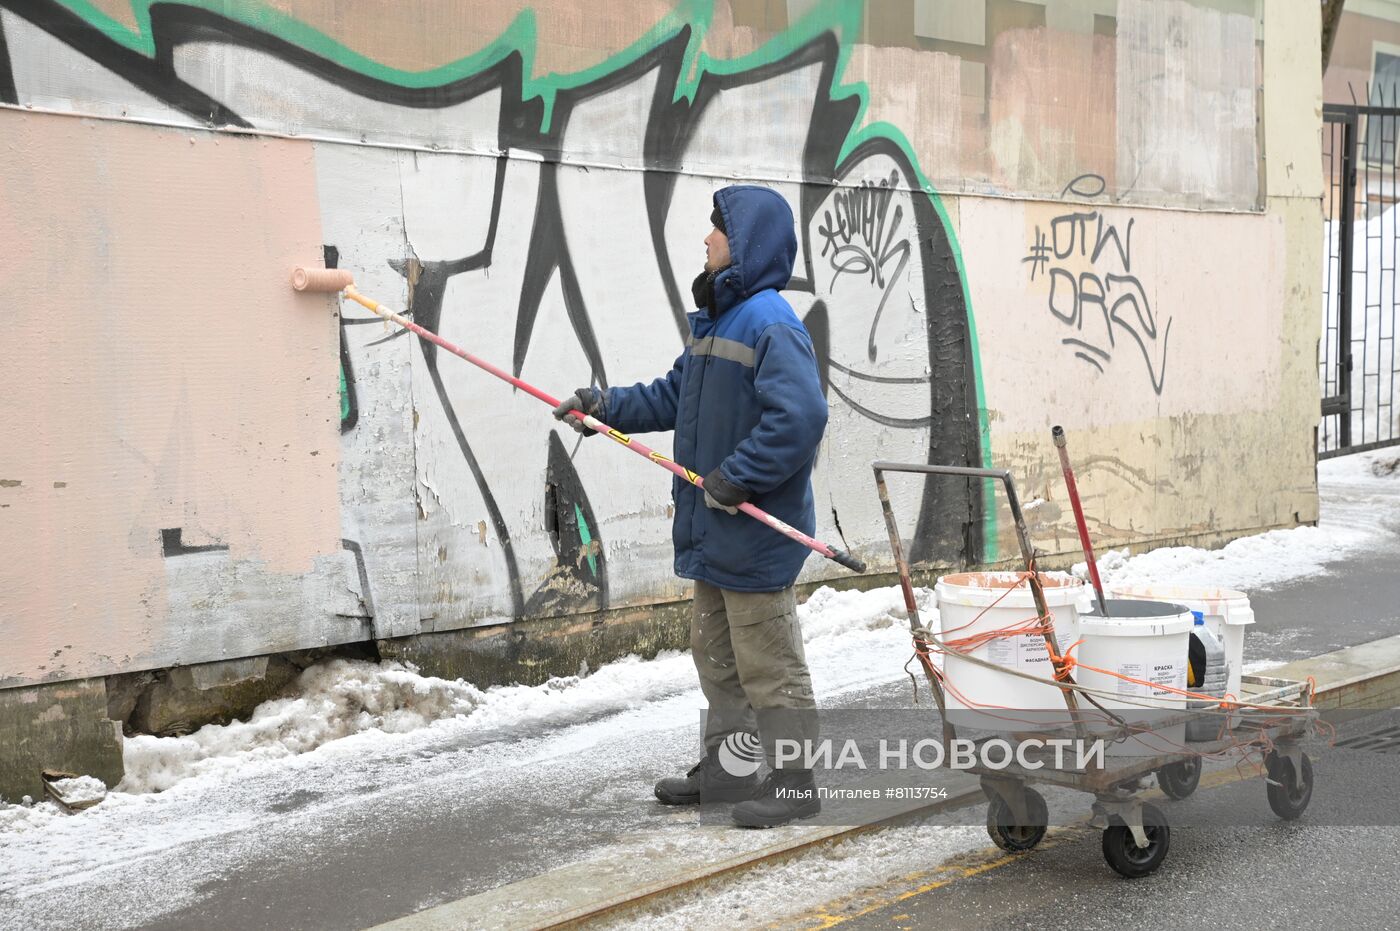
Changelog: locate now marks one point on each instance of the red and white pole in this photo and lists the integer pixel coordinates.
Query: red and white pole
(330, 280)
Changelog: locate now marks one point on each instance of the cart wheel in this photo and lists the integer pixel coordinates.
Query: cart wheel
(1017, 837)
(1178, 780)
(1289, 799)
(1123, 853)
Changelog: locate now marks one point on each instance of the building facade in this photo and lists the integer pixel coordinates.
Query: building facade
(1103, 214)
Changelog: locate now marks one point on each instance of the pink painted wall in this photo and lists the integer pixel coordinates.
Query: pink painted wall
(158, 373)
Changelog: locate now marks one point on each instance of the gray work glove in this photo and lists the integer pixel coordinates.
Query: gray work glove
(588, 400)
(722, 494)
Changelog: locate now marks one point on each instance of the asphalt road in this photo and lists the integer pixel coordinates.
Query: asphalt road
(1355, 602)
(1231, 864)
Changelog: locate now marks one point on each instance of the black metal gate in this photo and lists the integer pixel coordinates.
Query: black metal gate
(1357, 355)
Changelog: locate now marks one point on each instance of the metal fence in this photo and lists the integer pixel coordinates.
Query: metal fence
(1357, 358)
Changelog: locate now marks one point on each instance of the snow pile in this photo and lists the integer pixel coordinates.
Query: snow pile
(1375, 471)
(630, 682)
(375, 703)
(79, 789)
(828, 612)
(338, 698)
(26, 815)
(342, 698)
(1266, 559)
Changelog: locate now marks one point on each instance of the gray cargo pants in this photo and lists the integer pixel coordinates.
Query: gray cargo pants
(747, 648)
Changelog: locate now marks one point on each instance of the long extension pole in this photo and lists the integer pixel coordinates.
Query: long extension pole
(331, 280)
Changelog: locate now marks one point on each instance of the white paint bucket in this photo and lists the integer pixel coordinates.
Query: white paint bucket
(1227, 613)
(976, 602)
(1138, 640)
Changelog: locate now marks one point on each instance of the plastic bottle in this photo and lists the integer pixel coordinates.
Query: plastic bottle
(1207, 674)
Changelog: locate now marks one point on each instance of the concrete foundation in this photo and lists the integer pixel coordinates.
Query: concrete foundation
(532, 651)
(63, 726)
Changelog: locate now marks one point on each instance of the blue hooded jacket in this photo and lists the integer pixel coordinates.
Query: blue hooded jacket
(744, 396)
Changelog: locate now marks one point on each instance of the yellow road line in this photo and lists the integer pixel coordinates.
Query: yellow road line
(966, 866)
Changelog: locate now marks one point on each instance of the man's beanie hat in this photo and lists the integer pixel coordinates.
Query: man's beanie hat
(717, 219)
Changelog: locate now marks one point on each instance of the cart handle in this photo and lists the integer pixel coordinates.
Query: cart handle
(881, 466)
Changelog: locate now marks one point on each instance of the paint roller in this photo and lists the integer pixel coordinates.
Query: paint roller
(333, 280)
(321, 280)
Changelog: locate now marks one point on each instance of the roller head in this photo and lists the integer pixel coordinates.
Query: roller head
(321, 279)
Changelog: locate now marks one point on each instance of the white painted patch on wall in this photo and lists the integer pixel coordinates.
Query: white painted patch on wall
(53, 75)
(1187, 117)
(277, 95)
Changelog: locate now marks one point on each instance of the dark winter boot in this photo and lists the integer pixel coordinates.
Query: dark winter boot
(785, 795)
(707, 781)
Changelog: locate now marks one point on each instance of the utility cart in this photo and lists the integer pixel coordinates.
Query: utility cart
(1272, 718)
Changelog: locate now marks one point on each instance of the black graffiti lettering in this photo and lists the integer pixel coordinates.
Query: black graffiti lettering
(1086, 185)
(1142, 309)
(1125, 249)
(1095, 356)
(856, 237)
(1091, 291)
(1144, 320)
(1076, 223)
(1070, 316)
(862, 237)
(1120, 298)
(1039, 255)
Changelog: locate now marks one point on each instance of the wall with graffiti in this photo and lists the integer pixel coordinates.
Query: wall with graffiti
(997, 204)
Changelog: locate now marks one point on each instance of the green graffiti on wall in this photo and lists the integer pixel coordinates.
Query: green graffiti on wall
(692, 18)
(344, 397)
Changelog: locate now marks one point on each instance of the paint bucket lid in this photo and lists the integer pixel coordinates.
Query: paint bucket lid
(1232, 606)
(1009, 589)
(1129, 617)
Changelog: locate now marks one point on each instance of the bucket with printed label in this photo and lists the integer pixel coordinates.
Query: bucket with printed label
(984, 606)
(1134, 659)
(1227, 613)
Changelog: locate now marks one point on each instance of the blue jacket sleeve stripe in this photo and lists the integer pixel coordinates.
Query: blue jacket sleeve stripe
(793, 412)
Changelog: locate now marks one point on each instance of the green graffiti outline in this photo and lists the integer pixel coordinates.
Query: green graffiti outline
(841, 17)
(586, 538)
(344, 396)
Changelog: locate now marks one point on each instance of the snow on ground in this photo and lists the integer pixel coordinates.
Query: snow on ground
(371, 723)
(344, 697)
(355, 717)
(788, 888)
(1247, 563)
